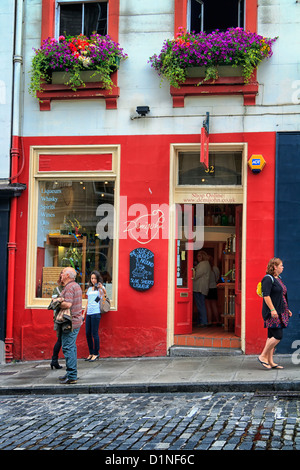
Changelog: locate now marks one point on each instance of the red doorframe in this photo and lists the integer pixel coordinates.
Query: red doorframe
(238, 268)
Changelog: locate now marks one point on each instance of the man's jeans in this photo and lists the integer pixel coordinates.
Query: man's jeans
(201, 308)
(70, 352)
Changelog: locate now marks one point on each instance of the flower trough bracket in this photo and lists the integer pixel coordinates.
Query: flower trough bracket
(221, 86)
(92, 90)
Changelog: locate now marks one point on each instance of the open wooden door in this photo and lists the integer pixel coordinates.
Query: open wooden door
(238, 269)
(183, 322)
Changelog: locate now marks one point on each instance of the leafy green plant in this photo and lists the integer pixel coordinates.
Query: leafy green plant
(234, 47)
(74, 54)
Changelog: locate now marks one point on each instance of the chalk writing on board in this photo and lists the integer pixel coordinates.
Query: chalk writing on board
(141, 276)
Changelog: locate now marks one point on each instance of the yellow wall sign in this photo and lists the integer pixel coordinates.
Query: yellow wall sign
(256, 163)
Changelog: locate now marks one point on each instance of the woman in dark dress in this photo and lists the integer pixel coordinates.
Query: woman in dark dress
(275, 311)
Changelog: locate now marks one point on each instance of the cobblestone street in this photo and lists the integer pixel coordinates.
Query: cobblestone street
(156, 422)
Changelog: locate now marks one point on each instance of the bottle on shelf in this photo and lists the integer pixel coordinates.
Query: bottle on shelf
(233, 243)
(231, 304)
(233, 272)
(224, 219)
(64, 228)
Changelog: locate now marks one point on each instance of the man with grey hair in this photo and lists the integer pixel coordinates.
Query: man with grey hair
(72, 299)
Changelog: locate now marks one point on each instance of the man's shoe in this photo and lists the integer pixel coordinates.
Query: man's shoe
(63, 377)
(68, 381)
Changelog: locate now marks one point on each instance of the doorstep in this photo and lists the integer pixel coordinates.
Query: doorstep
(209, 338)
(193, 351)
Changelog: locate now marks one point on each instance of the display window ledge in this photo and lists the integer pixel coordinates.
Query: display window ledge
(221, 86)
(93, 90)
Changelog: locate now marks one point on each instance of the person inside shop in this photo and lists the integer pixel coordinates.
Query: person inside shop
(57, 347)
(92, 314)
(212, 296)
(200, 286)
(275, 311)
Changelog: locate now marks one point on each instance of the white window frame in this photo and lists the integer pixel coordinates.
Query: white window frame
(184, 192)
(61, 2)
(189, 14)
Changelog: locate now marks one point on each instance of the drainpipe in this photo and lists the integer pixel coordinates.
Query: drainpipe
(15, 154)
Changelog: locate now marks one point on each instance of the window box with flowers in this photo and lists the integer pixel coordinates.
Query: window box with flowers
(194, 63)
(75, 56)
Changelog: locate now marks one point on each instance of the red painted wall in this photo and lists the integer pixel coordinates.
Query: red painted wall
(139, 326)
(260, 234)
(259, 229)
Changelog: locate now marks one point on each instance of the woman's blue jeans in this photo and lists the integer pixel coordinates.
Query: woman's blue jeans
(69, 349)
(92, 334)
(201, 308)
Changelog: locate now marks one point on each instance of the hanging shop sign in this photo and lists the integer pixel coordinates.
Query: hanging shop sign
(141, 275)
(256, 163)
(204, 147)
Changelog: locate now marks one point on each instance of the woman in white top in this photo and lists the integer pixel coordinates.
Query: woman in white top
(93, 315)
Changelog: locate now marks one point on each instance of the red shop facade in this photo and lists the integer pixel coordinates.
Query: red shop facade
(112, 204)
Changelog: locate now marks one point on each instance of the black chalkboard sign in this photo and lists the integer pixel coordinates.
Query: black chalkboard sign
(141, 276)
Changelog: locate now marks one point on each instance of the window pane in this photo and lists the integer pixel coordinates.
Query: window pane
(241, 12)
(182, 272)
(217, 15)
(75, 228)
(196, 16)
(70, 19)
(95, 18)
(225, 168)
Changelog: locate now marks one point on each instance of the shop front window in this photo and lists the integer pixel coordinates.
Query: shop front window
(75, 228)
(225, 169)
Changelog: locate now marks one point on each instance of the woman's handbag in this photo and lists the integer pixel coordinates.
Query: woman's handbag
(104, 304)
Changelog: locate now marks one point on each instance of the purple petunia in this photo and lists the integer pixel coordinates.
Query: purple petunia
(68, 52)
(234, 46)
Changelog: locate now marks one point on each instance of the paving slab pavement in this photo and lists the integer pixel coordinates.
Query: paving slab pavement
(232, 373)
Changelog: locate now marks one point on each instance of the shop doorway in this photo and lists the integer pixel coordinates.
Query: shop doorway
(221, 324)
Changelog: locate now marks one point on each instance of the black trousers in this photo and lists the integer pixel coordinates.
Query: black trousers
(56, 349)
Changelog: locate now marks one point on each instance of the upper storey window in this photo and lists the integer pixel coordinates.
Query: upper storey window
(74, 17)
(71, 18)
(209, 15)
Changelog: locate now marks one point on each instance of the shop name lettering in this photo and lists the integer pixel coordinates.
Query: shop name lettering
(143, 231)
(210, 198)
(143, 225)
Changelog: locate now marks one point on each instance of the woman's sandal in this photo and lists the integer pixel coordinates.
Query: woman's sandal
(264, 364)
